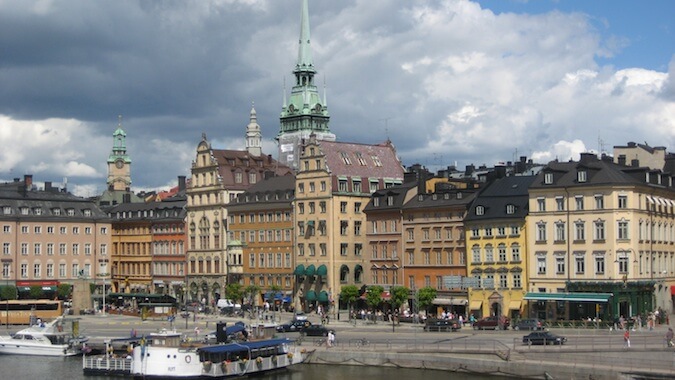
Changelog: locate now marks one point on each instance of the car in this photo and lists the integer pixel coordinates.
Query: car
(533, 324)
(543, 338)
(294, 325)
(441, 325)
(492, 323)
(314, 330)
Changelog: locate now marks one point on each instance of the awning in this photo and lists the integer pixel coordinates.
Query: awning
(310, 270)
(286, 299)
(475, 305)
(322, 270)
(460, 301)
(323, 296)
(310, 296)
(299, 270)
(572, 297)
(514, 305)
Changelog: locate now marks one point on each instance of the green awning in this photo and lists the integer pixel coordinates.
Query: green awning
(322, 271)
(572, 297)
(323, 296)
(310, 270)
(311, 295)
(299, 270)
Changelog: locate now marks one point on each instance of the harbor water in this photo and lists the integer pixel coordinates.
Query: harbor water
(34, 367)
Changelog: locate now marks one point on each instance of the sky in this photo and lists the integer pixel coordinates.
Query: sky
(449, 82)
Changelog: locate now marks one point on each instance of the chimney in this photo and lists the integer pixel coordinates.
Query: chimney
(48, 186)
(181, 183)
(126, 198)
(28, 181)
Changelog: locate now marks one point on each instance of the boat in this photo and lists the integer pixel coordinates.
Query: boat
(167, 354)
(43, 339)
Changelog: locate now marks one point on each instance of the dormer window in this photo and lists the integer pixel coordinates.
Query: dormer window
(420, 198)
(376, 201)
(446, 196)
(390, 200)
(582, 176)
(24, 210)
(70, 212)
(510, 209)
(548, 178)
(459, 195)
(480, 210)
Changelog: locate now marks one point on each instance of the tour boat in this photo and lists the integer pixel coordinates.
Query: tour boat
(166, 355)
(43, 340)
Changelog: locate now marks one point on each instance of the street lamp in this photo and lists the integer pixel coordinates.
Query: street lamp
(9, 272)
(185, 292)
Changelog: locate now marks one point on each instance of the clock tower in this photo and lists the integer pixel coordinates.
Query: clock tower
(119, 163)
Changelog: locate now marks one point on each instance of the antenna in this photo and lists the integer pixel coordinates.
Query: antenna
(386, 125)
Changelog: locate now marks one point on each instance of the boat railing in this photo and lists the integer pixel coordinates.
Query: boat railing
(107, 364)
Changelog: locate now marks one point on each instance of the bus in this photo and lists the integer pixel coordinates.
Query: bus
(19, 312)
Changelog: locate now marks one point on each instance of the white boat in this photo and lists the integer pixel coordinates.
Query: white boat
(166, 355)
(42, 340)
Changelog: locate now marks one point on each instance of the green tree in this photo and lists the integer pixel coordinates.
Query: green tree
(399, 295)
(374, 297)
(349, 294)
(8, 292)
(35, 292)
(64, 291)
(425, 297)
(234, 292)
(250, 292)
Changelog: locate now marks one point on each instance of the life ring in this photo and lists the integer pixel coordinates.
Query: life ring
(188, 358)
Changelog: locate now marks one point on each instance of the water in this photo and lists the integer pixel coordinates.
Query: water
(34, 367)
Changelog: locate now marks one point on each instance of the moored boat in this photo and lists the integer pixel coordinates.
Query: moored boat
(48, 339)
(166, 355)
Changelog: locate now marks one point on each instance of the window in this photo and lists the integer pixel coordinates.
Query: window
(517, 283)
(6, 247)
(344, 249)
(62, 270)
(345, 158)
(541, 232)
(501, 231)
(480, 210)
(501, 250)
(357, 228)
(515, 252)
(238, 177)
(488, 231)
(579, 231)
(62, 249)
(37, 249)
(560, 265)
(411, 234)
(579, 201)
(24, 229)
(343, 207)
(24, 249)
(411, 258)
(475, 254)
(623, 264)
(599, 265)
(475, 232)
(560, 203)
(87, 230)
(560, 231)
(541, 204)
(312, 187)
(37, 230)
(356, 185)
(301, 208)
(36, 271)
(599, 202)
(489, 254)
(622, 230)
(510, 209)
(357, 207)
(344, 226)
(76, 249)
(311, 208)
(76, 230)
(427, 259)
(301, 187)
(63, 230)
(582, 176)
(323, 185)
(503, 283)
(548, 178)
(342, 185)
(623, 201)
(50, 270)
(580, 264)
(87, 249)
(24, 270)
(358, 249)
(541, 265)
(599, 231)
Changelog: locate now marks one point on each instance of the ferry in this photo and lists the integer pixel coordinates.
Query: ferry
(167, 355)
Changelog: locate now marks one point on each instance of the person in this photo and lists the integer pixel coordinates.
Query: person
(669, 337)
(331, 338)
(626, 339)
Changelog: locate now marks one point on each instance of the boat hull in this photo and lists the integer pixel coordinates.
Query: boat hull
(10, 348)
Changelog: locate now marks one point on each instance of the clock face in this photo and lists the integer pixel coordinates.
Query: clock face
(119, 164)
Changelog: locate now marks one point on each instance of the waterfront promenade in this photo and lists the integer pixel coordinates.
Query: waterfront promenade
(588, 353)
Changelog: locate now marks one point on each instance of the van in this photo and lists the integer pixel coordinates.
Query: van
(225, 303)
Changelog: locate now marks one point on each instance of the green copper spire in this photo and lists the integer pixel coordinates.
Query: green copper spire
(305, 112)
(305, 50)
(119, 149)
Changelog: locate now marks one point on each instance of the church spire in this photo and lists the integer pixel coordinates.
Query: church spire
(306, 112)
(253, 134)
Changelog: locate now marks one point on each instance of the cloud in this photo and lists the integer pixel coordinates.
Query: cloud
(445, 81)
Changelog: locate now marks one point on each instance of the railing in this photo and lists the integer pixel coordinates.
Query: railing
(104, 364)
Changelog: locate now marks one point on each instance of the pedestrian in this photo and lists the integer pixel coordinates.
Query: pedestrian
(331, 338)
(626, 339)
(669, 337)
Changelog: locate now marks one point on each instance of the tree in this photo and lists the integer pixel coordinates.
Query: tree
(374, 297)
(64, 291)
(349, 294)
(8, 292)
(425, 297)
(234, 292)
(398, 295)
(250, 292)
(35, 292)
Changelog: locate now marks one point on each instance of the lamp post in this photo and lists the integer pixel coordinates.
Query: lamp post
(185, 293)
(9, 272)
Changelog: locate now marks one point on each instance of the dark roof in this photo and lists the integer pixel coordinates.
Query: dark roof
(496, 196)
(398, 192)
(272, 191)
(165, 210)
(456, 198)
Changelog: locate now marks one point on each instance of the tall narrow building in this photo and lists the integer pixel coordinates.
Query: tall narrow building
(305, 113)
(119, 163)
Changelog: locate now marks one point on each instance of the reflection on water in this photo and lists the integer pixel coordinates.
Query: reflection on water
(27, 367)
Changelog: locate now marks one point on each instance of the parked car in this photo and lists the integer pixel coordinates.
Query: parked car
(544, 338)
(533, 324)
(492, 323)
(314, 330)
(441, 325)
(294, 325)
